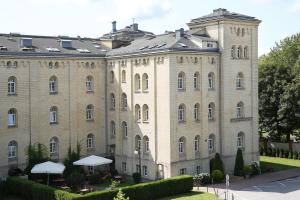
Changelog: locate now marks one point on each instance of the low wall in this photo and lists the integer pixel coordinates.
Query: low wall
(286, 146)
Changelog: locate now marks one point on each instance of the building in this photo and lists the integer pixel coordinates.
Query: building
(160, 104)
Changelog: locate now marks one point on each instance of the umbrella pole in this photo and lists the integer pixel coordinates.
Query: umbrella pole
(48, 180)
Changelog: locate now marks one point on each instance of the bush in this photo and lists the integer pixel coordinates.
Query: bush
(255, 168)
(218, 163)
(290, 156)
(270, 151)
(239, 164)
(136, 177)
(75, 180)
(286, 153)
(277, 152)
(2, 189)
(281, 153)
(217, 176)
(295, 155)
(261, 151)
(201, 179)
(121, 196)
(247, 169)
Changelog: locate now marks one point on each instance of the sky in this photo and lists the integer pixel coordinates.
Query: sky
(92, 18)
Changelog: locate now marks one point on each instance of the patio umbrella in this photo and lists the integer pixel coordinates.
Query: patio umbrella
(92, 161)
(48, 168)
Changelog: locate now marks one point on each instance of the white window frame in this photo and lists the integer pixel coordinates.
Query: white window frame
(124, 166)
(12, 118)
(53, 148)
(196, 112)
(12, 150)
(90, 112)
(11, 86)
(90, 141)
(52, 85)
(181, 113)
(53, 115)
(211, 83)
(89, 84)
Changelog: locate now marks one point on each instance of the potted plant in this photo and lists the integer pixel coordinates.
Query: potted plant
(247, 171)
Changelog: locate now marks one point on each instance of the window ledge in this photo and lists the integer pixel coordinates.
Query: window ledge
(181, 90)
(137, 91)
(145, 91)
(90, 120)
(53, 123)
(182, 122)
(138, 121)
(146, 122)
(90, 149)
(12, 126)
(211, 120)
(241, 119)
(53, 93)
(123, 81)
(90, 91)
(197, 89)
(112, 136)
(211, 89)
(197, 120)
(112, 109)
(240, 88)
(124, 109)
(12, 159)
(11, 94)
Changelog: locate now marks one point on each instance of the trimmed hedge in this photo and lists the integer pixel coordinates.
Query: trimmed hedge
(30, 190)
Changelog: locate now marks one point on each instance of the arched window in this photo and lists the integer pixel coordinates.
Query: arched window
(137, 82)
(211, 80)
(238, 32)
(53, 85)
(112, 76)
(112, 128)
(50, 64)
(123, 76)
(124, 129)
(137, 113)
(181, 81)
(181, 145)
(8, 64)
(11, 85)
(12, 149)
(196, 81)
(241, 141)
(89, 84)
(239, 80)
(56, 64)
(211, 143)
(146, 144)
(233, 49)
(240, 110)
(124, 101)
(12, 117)
(197, 143)
(145, 82)
(90, 141)
(239, 52)
(181, 113)
(246, 52)
(53, 145)
(196, 111)
(53, 115)
(90, 112)
(138, 144)
(112, 101)
(211, 111)
(15, 64)
(145, 113)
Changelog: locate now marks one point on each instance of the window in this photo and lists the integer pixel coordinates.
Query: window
(240, 110)
(11, 85)
(112, 77)
(125, 129)
(137, 143)
(211, 143)
(112, 101)
(245, 52)
(53, 145)
(196, 81)
(90, 141)
(12, 117)
(53, 115)
(145, 113)
(145, 82)
(196, 143)
(239, 52)
(243, 31)
(146, 144)
(198, 169)
(181, 113)
(196, 111)
(53, 85)
(137, 82)
(181, 81)
(50, 65)
(181, 145)
(124, 101)
(239, 80)
(233, 49)
(241, 141)
(89, 84)
(145, 170)
(211, 80)
(112, 129)
(211, 111)
(12, 149)
(182, 171)
(90, 112)
(123, 76)
(8, 64)
(137, 113)
(124, 167)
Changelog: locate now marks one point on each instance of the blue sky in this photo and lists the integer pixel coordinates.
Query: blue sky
(92, 18)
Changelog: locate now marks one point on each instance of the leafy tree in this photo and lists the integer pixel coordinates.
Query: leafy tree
(36, 153)
(72, 157)
(239, 164)
(121, 196)
(218, 163)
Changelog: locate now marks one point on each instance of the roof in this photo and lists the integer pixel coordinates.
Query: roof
(48, 45)
(221, 14)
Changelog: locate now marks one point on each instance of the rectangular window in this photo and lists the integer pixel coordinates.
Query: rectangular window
(196, 145)
(11, 120)
(145, 170)
(124, 167)
(180, 147)
(182, 171)
(210, 145)
(52, 117)
(12, 151)
(198, 169)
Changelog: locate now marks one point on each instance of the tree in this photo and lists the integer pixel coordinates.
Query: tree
(239, 164)
(217, 163)
(121, 196)
(72, 157)
(36, 153)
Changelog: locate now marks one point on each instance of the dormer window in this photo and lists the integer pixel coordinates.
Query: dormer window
(210, 45)
(26, 42)
(66, 43)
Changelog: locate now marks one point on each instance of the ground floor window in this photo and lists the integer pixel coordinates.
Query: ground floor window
(182, 171)
(124, 167)
(145, 170)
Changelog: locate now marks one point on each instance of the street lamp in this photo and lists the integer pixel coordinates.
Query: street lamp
(138, 153)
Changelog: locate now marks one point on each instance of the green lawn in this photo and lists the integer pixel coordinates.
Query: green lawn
(192, 196)
(278, 164)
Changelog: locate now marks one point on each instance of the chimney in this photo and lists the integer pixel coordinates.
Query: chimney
(134, 27)
(114, 27)
(179, 33)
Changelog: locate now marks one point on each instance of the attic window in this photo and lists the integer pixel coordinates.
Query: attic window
(83, 51)
(182, 45)
(2, 48)
(26, 42)
(210, 45)
(66, 43)
(52, 49)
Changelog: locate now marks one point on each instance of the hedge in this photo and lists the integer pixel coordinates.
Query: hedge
(2, 189)
(29, 190)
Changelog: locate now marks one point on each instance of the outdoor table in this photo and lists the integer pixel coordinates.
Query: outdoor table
(65, 187)
(84, 191)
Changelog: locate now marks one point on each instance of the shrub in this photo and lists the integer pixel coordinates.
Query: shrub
(290, 156)
(255, 168)
(261, 151)
(239, 163)
(121, 196)
(295, 155)
(270, 151)
(281, 153)
(72, 156)
(75, 180)
(247, 169)
(2, 189)
(286, 153)
(218, 163)
(201, 179)
(277, 152)
(136, 177)
(217, 175)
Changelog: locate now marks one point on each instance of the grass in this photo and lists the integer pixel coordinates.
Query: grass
(192, 196)
(278, 164)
